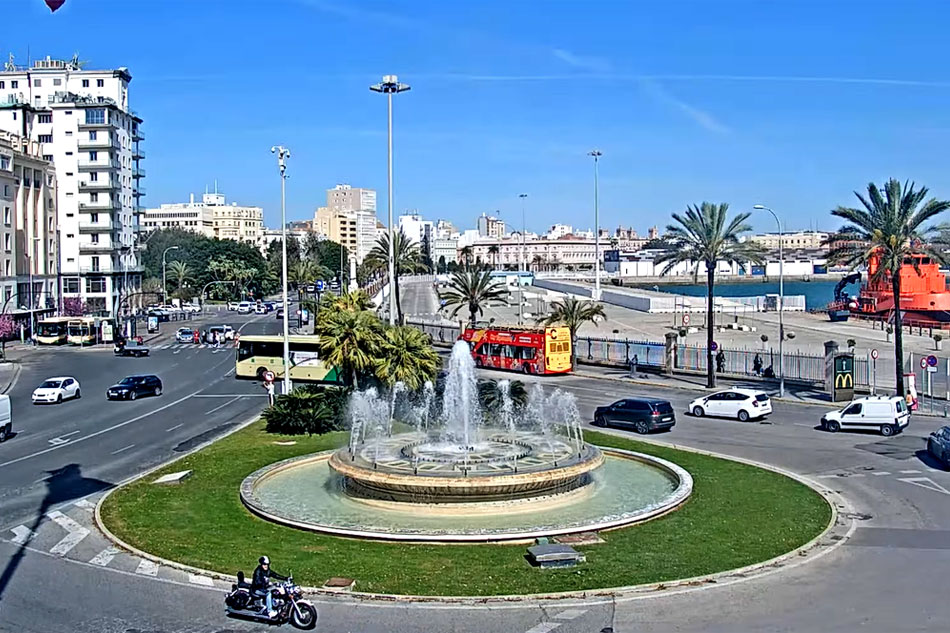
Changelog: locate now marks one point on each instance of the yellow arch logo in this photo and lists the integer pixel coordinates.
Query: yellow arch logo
(844, 381)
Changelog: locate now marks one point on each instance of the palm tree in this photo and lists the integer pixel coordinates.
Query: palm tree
(538, 261)
(493, 251)
(180, 273)
(472, 289)
(301, 272)
(890, 229)
(349, 340)
(572, 313)
(704, 237)
(406, 356)
(490, 395)
(408, 260)
(466, 253)
(354, 301)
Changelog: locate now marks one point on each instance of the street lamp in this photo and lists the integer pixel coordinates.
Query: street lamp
(164, 289)
(390, 86)
(596, 154)
(781, 300)
(282, 154)
(32, 259)
(524, 263)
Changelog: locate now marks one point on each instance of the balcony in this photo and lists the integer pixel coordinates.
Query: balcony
(97, 185)
(99, 205)
(97, 165)
(138, 172)
(85, 125)
(139, 192)
(104, 142)
(99, 227)
(138, 153)
(96, 247)
(138, 135)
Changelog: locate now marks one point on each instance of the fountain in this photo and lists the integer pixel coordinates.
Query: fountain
(462, 473)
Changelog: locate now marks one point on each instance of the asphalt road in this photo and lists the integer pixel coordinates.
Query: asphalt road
(888, 577)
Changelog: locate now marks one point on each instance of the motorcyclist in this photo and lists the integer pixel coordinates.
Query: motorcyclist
(260, 585)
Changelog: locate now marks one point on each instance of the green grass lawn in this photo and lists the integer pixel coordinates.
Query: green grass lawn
(737, 515)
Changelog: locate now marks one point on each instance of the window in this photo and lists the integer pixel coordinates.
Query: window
(6, 215)
(854, 409)
(7, 267)
(37, 83)
(100, 83)
(95, 284)
(69, 132)
(69, 153)
(57, 82)
(45, 138)
(3, 85)
(7, 242)
(93, 197)
(71, 285)
(92, 135)
(95, 116)
(14, 84)
(94, 238)
(93, 156)
(6, 191)
(85, 84)
(95, 263)
(45, 117)
(48, 157)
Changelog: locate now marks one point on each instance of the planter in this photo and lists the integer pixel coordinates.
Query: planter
(938, 345)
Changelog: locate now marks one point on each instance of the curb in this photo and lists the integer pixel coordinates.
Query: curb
(839, 529)
(16, 376)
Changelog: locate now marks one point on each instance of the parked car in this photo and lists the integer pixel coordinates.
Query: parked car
(6, 418)
(245, 307)
(233, 305)
(191, 307)
(131, 387)
(260, 308)
(185, 335)
(887, 414)
(641, 414)
(56, 390)
(224, 332)
(743, 404)
(938, 445)
(130, 348)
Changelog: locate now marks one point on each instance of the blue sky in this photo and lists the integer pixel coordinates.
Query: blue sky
(789, 104)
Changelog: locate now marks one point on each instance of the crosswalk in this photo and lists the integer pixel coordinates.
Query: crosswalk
(69, 533)
(180, 347)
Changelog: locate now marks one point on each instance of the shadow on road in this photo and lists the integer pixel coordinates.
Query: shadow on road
(62, 485)
(929, 460)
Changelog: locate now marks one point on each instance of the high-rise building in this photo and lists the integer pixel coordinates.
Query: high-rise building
(212, 217)
(28, 261)
(82, 120)
(349, 218)
(347, 198)
(419, 232)
(490, 226)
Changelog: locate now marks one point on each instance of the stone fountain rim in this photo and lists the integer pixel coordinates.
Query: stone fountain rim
(673, 501)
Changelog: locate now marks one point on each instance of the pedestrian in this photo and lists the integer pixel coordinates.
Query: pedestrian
(633, 366)
(720, 361)
(757, 365)
(196, 336)
(216, 339)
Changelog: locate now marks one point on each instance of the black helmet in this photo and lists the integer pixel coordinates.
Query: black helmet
(263, 560)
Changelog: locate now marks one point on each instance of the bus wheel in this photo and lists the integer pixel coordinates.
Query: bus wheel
(526, 368)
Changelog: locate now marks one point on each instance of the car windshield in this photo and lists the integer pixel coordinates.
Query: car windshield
(51, 384)
(130, 380)
(663, 407)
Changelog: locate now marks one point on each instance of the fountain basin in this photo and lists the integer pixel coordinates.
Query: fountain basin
(626, 488)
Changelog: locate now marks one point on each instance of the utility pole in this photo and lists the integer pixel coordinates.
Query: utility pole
(282, 155)
(781, 300)
(524, 262)
(596, 154)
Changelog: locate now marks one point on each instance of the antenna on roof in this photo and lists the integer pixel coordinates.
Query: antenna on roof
(216, 185)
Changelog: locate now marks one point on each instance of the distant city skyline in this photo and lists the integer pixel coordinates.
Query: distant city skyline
(745, 102)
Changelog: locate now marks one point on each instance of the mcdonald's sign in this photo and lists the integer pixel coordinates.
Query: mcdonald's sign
(843, 377)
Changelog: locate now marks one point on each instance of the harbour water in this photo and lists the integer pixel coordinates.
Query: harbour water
(817, 293)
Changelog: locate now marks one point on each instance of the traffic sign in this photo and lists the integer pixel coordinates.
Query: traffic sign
(319, 285)
(685, 319)
(931, 369)
(932, 360)
(269, 376)
(715, 346)
(874, 354)
(923, 363)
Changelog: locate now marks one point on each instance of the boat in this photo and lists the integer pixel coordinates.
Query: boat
(924, 296)
(840, 309)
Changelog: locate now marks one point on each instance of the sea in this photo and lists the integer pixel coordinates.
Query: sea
(817, 293)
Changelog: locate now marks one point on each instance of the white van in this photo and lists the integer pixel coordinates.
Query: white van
(6, 418)
(887, 414)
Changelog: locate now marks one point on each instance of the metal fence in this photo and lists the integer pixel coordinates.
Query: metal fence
(745, 362)
(620, 351)
(441, 333)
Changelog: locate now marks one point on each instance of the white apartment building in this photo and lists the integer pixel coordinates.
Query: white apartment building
(419, 232)
(797, 239)
(349, 218)
(82, 121)
(212, 217)
(490, 226)
(28, 255)
(445, 247)
(559, 230)
(541, 254)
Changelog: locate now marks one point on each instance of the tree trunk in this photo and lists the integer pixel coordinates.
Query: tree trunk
(898, 334)
(398, 303)
(710, 324)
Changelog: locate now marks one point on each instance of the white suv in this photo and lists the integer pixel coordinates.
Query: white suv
(887, 414)
(742, 404)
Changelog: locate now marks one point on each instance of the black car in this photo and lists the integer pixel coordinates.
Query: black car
(641, 414)
(131, 387)
(938, 445)
(130, 348)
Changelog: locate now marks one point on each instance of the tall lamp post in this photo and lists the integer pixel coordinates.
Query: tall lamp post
(164, 289)
(781, 300)
(524, 263)
(596, 154)
(390, 86)
(282, 155)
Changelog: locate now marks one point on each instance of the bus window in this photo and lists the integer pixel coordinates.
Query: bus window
(528, 353)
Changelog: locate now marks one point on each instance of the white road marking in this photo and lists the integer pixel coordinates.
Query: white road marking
(105, 430)
(76, 533)
(62, 439)
(232, 395)
(202, 346)
(122, 449)
(164, 347)
(570, 614)
(925, 482)
(221, 406)
(204, 581)
(22, 534)
(544, 627)
(104, 557)
(909, 472)
(177, 426)
(85, 504)
(147, 568)
(881, 473)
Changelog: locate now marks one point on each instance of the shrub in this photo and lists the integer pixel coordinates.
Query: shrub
(310, 409)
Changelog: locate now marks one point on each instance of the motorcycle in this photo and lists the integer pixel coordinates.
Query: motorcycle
(287, 602)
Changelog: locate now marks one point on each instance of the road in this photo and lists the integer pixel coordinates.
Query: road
(888, 577)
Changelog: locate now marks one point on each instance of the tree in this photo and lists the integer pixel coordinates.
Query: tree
(702, 236)
(491, 397)
(180, 273)
(493, 251)
(406, 356)
(72, 306)
(472, 290)
(310, 409)
(349, 340)
(354, 301)
(7, 330)
(441, 266)
(572, 313)
(407, 262)
(890, 228)
(466, 253)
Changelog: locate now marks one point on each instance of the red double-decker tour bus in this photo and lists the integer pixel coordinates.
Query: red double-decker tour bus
(529, 350)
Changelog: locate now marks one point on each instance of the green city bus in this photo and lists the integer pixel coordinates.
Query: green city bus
(257, 354)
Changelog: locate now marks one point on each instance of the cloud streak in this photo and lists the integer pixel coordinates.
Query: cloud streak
(582, 62)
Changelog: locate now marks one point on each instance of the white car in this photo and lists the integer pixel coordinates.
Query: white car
(245, 307)
(191, 307)
(56, 390)
(742, 404)
(233, 305)
(887, 414)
